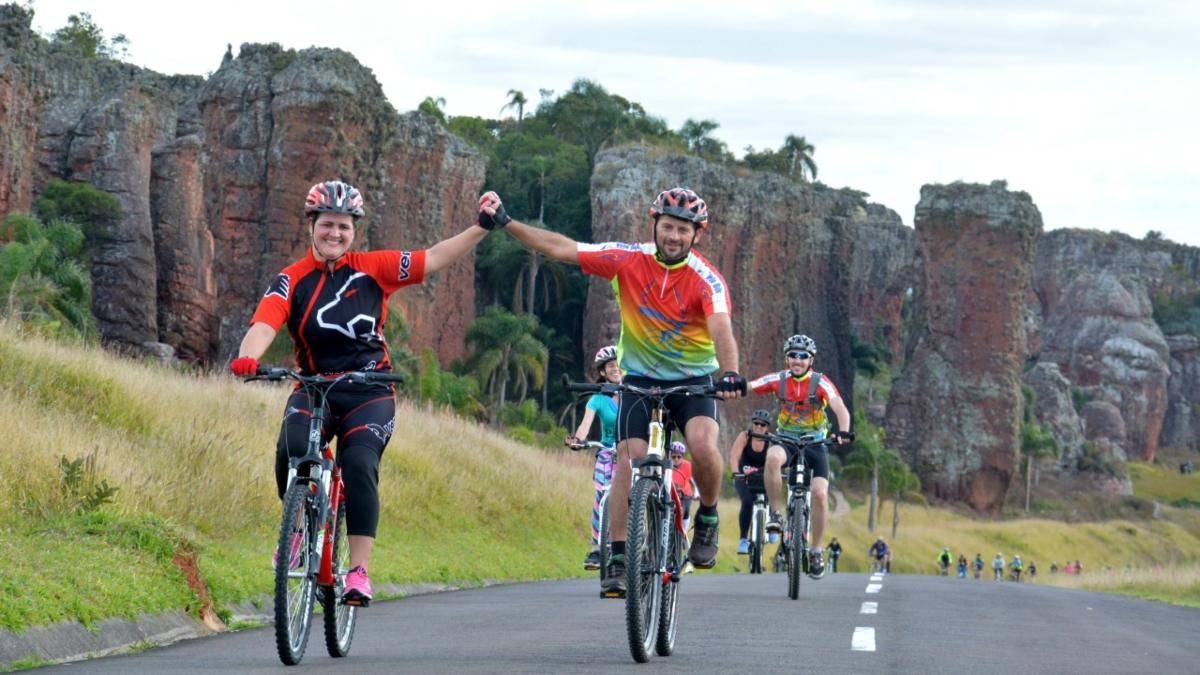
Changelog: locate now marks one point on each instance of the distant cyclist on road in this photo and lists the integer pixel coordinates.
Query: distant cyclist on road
(1017, 568)
(880, 554)
(750, 457)
(675, 330)
(943, 560)
(835, 552)
(604, 407)
(998, 567)
(803, 395)
(978, 565)
(685, 483)
(334, 302)
(962, 566)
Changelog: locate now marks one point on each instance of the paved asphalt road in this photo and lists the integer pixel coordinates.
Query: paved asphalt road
(733, 624)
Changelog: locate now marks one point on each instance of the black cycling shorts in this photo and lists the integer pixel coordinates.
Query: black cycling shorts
(816, 460)
(633, 411)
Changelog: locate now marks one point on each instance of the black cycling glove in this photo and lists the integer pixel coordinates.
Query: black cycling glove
(847, 436)
(731, 382)
(491, 222)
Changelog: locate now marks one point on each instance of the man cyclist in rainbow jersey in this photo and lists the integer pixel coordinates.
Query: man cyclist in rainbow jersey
(675, 330)
(803, 395)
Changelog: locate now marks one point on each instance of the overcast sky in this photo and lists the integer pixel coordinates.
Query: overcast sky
(1091, 106)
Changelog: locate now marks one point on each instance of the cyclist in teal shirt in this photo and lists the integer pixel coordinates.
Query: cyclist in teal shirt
(604, 407)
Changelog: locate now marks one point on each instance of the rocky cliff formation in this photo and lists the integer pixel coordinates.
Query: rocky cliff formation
(1092, 315)
(954, 413)
(797, 260)
(211, 176)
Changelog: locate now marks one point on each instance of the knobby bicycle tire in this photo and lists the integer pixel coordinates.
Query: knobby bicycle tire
(643, 585)
(667, 625)
(294, 594)
(797, 548)
(340, 619)
(605, 544)
(758, 542)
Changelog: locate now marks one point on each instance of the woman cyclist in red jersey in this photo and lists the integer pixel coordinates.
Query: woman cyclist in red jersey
(334, 302)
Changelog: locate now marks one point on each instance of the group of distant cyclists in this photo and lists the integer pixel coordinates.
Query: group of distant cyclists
(675, 329)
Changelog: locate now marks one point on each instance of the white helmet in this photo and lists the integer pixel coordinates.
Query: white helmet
(605, 355)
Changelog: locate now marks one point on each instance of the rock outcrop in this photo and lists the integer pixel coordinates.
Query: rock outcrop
(211, 175)
(954, 413)
(797, 259)
(1054, 410)
(1181, 427)
(1094, 305)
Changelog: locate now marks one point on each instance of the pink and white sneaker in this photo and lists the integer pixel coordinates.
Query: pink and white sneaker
(358, 588)
(293, 553)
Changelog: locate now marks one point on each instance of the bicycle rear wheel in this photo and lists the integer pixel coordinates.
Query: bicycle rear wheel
(295, 588)
(665, 644)
(643, 594)
(797, 548)
(605, 544)
(340, 619)
(758, 539)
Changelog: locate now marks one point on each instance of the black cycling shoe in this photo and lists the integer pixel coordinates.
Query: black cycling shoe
(592, 561)
(775, 523)
(705, 542)
(816, 567)
(613, 584)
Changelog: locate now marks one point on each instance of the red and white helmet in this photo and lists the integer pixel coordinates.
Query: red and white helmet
(334, 196)
(605, 355)
(681, 203)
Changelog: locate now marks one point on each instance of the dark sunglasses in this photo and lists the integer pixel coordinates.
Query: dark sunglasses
(676, 456)
(758, 424)
(799, 355)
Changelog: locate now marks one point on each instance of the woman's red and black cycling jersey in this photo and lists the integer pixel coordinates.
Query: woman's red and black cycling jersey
(336, 318)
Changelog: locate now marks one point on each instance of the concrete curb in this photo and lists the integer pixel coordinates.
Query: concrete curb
(71, 641)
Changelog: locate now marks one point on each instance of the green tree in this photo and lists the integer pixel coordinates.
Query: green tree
(437, 386)
(1036, 442)
(800, 161)
(82, 34)
(504, 350)
(433, 107)
(42, 279)
(899, 482)
(866, 461)
(94, 210)
(516, 101)
(698, 135)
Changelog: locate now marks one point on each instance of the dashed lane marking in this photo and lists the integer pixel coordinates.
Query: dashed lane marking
(869, 608)
(876, 577)
(874, 588)
(863, 640)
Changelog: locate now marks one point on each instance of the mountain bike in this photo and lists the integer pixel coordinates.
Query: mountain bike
(605, 545)
(792, 554)
(654, 548)
(758, 521)
(314, 522)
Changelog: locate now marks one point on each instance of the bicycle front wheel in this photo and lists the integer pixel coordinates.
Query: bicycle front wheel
(295, 576)
(605, 543)
(339, 618)
(665, 644)
(643, 594)
(797, 549)
(758, 538)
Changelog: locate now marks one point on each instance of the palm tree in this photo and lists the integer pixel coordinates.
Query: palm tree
(698, 135)
(433, 107)
(504, 350)
(1036, 443)
(800, 152)
(865, 463)
(899, 481)
(517, 100)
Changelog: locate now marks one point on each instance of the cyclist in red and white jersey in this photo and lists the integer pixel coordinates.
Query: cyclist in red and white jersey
(334, 303)
(803, 396)
(675, 329)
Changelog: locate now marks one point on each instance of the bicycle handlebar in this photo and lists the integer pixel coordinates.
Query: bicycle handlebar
(354, 376)
(586, 445)
(705, 390)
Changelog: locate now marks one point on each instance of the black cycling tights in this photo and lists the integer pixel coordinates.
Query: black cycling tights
(362, 419)
(748, 495)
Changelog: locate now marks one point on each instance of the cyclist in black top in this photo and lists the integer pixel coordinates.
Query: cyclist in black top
(334, 303)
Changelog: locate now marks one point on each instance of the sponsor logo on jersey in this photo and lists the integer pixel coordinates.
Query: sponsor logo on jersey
(405, 265)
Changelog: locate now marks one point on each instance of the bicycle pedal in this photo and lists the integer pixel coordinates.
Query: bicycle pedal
(356, 602)
(612, 595)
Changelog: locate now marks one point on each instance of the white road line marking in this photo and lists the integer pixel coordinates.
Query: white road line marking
(869, 608)
(876, 577)
(874, 588)
(863, 640)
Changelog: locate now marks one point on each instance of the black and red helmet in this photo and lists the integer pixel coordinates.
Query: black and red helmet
(681, 203)
(334, 196)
